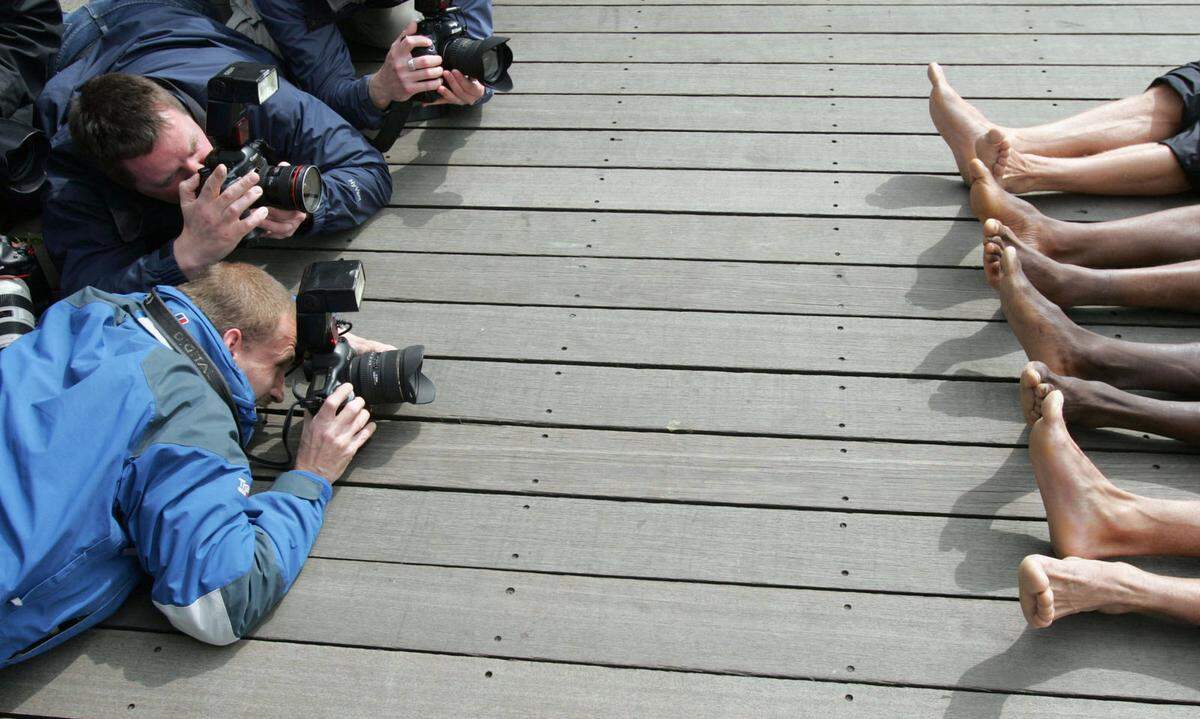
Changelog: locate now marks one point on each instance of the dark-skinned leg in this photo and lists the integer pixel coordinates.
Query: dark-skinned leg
(1156, 239)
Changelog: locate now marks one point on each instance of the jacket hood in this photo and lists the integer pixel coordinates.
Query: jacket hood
(202, 330)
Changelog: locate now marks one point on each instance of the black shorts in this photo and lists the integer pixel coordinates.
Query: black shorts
(1185, 81)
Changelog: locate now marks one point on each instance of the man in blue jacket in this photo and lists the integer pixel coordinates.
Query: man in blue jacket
(306, 37)
(123, 461)
(124, 153)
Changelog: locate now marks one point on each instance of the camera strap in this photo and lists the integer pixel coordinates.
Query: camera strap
(180, 340)
(393, 124)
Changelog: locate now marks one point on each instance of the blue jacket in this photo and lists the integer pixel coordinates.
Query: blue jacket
(316, 58)
(117, 240)
(120, 461)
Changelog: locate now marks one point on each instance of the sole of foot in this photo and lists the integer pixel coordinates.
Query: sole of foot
(1083, 508)
(989, 200)
(1043, 329)
(1056, 281)
(1051, 589)
(956, 120)
(1004, 162)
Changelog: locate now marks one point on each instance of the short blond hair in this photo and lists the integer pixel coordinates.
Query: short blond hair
(236, 294)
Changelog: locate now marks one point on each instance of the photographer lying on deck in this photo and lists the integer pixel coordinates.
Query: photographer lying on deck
(1148, 144)
(127, 157)
(124, 461)
(307, 38)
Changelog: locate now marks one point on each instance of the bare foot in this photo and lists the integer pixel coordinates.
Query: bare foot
(991, 201)
(956, 120)
(1087, 402)
(1051, 589)
(1056, 281)
(1008, 165)
(1044, 330)
(1084, 510)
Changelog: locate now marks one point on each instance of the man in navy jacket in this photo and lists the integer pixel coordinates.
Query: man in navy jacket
(305, 36)
(123, 461)
(116, 222)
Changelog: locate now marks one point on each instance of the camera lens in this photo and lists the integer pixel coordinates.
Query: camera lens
(16, 310)
(391, 377)
(292, 187)
(486, 60)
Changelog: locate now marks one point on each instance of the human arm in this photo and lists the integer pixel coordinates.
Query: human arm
(318, 60)
(220, 559)
(354, 177)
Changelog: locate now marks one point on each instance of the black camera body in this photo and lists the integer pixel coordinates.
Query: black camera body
(230, 93)
(328, 361)
(485, 60)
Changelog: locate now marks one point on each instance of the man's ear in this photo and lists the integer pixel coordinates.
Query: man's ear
(234, 341)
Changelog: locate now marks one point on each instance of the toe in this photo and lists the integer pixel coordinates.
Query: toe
(934, 71)
(1030, 375)
(1045, 609)
(977, 170)
(1009, 262)
(991, 227)
(1052, 406)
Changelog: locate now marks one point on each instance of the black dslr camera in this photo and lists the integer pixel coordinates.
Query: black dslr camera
(378, 377)
(485, 60)
(290, 187)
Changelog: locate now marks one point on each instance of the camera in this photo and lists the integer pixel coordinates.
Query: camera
(328, 361)
(16, 310)
(23, 153)
(230, 92)
(486, 60)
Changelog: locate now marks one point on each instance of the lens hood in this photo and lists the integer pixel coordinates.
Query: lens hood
(418, 389)
(23, 153)
(467, 55)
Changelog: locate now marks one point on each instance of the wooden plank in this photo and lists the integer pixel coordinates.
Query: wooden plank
(740, 114)
(640, 3)
(162, 675)
(853, 47)
(833, 80)
(816, 406)
(727, 192)
(694, 150)
(998, 20)
(789, 343)
(732, 545)
(758, 471)
(854, 290)
(928, 641)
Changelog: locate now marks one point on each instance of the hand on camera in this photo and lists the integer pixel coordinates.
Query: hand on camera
(401, 76)
(282, 223)
(458, 89)
(362, 345)
(331, 437)
(212, 220)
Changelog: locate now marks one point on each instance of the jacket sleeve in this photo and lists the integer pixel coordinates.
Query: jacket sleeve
(85, 244)
(220, 559)
(319, 61)
(354, 176)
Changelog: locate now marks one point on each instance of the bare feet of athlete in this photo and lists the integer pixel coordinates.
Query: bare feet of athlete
(1007, 165)
(1051, 589)
(956, 120)
(1083, 508)
(990, 200)
(1044, 331)
(1056, 281)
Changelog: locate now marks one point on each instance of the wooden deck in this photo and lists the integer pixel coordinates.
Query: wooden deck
(726, 421)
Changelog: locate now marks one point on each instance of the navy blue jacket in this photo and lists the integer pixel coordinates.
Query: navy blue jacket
(316, 58)
(122, 462)
(115, 239)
